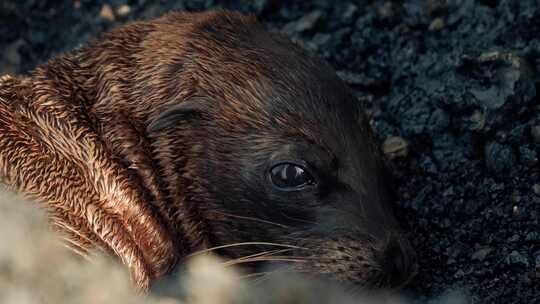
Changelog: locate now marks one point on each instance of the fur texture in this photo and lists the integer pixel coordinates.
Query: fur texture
(150, 142)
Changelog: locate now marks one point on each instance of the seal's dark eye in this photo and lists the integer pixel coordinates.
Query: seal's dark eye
(289, 176)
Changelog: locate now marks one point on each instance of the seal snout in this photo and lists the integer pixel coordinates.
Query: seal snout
(398, 261)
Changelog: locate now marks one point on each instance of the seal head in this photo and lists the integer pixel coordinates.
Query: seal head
(281, 152)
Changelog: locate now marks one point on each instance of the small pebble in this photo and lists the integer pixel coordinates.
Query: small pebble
(349, 12)
(499, 158)
(515, 210)
(459, 274)
(395, 146)
(476, 121)
(387, 10)
(321, 39)
(481, 254)
(536, 189)
(528, 156)
(532, 236)
(260, 6)
(436, 25)
(517, 258)
(514, 238)
(352, 78)
(107, 13)
(123, 10)
(306, 23)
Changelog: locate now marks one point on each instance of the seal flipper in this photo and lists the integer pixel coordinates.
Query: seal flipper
(50, 152)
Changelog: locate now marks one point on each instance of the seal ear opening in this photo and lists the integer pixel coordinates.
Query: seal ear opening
(188, 110)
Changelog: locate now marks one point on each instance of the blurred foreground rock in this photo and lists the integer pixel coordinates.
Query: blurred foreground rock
(36, 267)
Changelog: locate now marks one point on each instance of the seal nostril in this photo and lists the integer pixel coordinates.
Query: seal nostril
(399, 262)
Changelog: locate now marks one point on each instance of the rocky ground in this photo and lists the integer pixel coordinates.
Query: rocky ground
(452, 91)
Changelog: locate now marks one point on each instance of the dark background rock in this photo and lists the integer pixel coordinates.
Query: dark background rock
(457, 80)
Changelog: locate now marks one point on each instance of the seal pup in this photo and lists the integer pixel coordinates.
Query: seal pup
(201, 132)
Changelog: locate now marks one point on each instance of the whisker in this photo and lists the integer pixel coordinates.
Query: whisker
(298, 220)
(298, 238)
(243, 244)
(256, 274)
(261, 257)
(251, 219)
(266, 259)
(270, 253)
(264, 253)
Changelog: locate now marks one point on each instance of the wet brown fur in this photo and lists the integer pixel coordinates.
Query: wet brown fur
(75, 133)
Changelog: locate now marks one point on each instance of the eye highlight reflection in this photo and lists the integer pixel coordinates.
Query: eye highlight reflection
(290, 176)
